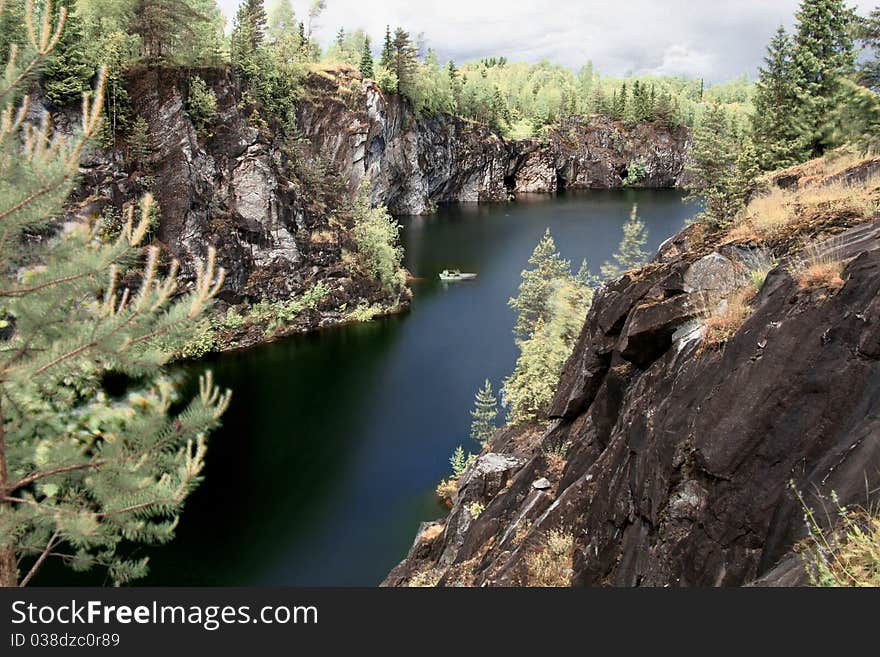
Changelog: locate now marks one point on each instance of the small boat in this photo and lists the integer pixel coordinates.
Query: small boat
(453, 275)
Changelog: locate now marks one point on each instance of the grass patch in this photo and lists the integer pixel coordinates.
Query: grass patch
(734, 312)
(818, 269)
(775, 211)
(557, 456)
(848, 556)
(551, 565)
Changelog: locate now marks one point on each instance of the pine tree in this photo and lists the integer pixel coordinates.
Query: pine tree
(777, 139)
(631, 252)
(664, 110)
(85, 473)
(824, 55)
(255, 15)
(69, 72)
(162, 25)
(746, 171)
(484, 414)
(366, 66)
(599, 102)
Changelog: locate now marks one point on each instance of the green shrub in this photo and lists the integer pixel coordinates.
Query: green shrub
(635, 173)
(201, 105)
(377, 234)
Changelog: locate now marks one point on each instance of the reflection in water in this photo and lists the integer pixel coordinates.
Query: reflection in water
(334, 442)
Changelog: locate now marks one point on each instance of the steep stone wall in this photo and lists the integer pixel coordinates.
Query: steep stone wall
(674, 462)
(414, 163)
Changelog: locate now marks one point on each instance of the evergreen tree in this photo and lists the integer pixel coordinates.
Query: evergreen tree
(162, 25)
(404, 62)
(824, 55)
(869, 36)
(86, 473)
(777, 138)
(664, 110)
(255, 15)
(532, 302)
(599, 101)
(12, 26)
(387, 60)
(69, 72)
(746, 171)
(631, 252)
(713, 162)
(366, 66)
(484, 414)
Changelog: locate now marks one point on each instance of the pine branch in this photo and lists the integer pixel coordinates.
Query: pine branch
(39, 561)
(36, 476)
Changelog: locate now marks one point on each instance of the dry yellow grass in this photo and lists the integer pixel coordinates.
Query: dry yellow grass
(776, 210)
(722, 326)
(551, 566)
(819, 276)
(446, 489)
(818, 268)
(847, 556)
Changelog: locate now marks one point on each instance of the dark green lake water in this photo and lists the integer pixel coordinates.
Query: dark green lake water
(329, 455)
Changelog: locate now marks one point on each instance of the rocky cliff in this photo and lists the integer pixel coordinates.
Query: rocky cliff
(671, 459)
(270, 202)
(414, 163)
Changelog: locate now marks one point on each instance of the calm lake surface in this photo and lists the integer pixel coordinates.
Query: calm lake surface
(329, 455)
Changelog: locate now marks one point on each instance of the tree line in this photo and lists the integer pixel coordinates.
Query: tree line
(817, 90)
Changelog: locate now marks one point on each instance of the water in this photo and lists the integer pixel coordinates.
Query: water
(329, 455)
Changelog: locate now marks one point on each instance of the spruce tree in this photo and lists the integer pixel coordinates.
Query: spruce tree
(255, 12)
(484, 414)
(824, 55)
(778, 140)
(404, 61)
(631, 252)
(532, 302)
(366, 66)
(387, 60)
(86, 473)
(713, 160)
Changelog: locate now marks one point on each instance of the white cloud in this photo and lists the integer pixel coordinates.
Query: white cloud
(690, 37)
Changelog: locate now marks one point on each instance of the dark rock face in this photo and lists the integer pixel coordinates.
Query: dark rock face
(680, 458)
(415, 163)
(598, 153)
(235, 190)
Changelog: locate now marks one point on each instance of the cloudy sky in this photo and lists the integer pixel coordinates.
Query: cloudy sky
(718, 40)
